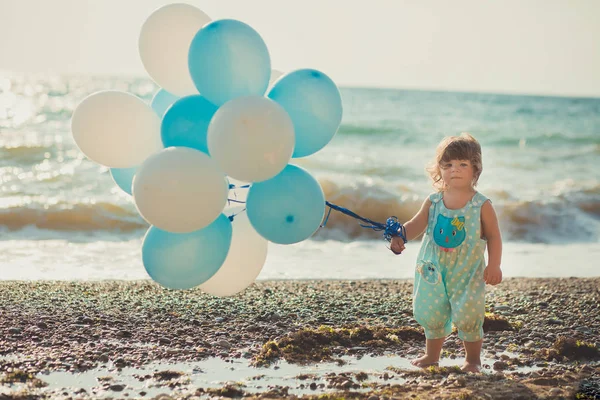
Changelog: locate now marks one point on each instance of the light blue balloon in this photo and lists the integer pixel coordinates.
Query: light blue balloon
(185, 123)
(229, 59)
(161, 101)
(123, 177)
(314, 104)
(186, 260)
(287, 208)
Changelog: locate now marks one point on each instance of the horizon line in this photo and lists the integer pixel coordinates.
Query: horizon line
(341, 86)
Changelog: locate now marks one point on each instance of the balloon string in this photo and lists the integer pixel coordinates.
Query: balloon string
(391, 228)
(232, 216)
(229, 201)
(232, 186)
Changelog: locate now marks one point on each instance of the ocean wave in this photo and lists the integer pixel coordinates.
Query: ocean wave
(24, 153)
(72, 217)
(373, 202)
(571, 216)
(553, 139)
(555, 222)
(364, 130)
(415, 136)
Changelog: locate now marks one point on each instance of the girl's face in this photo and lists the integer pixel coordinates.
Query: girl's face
(457, 174)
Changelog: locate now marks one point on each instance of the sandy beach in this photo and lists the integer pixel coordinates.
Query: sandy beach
(542, 340)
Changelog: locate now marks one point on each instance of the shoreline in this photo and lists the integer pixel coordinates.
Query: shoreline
(71, 326)
(309, 260)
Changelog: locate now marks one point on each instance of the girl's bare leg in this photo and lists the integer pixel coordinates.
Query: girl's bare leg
(473, 356)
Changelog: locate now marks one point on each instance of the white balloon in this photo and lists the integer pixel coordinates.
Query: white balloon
(116, 129)
(180, 190)
(164, 43)
(252, 138)
(245, 260)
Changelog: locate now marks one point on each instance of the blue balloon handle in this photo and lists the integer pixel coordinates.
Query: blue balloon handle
(394, 228)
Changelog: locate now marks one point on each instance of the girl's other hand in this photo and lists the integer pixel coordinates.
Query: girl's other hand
(492, 275)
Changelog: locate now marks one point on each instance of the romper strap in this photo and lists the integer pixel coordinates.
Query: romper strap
(435, 197)
(478, 200)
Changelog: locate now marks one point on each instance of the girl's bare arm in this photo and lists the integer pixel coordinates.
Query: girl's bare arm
(418, 223)
(491, 232)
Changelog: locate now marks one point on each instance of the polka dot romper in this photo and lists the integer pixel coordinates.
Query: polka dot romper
(449, 286)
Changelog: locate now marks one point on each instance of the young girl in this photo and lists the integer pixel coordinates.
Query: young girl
(451, 272)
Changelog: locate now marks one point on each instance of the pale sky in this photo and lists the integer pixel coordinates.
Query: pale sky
(506, 46)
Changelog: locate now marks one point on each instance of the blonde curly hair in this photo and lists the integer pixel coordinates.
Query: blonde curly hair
(463, 147)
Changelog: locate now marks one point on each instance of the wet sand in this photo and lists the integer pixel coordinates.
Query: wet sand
(334, 339)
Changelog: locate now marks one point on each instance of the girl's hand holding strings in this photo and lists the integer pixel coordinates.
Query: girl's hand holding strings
(397, 245)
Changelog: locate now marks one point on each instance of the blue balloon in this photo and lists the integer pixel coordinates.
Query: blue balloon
(229, 59)
(123, 177)
(185, 123)
(314, 104)
(287, 208)
(186, 260)
(161, 101)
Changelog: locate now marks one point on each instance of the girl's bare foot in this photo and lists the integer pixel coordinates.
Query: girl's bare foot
(472, 356)
(471, 367)
(424, 361)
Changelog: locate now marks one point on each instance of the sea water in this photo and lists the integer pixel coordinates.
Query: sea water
(62, 216)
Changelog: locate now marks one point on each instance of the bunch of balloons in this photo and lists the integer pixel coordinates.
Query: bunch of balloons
(222, 115)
